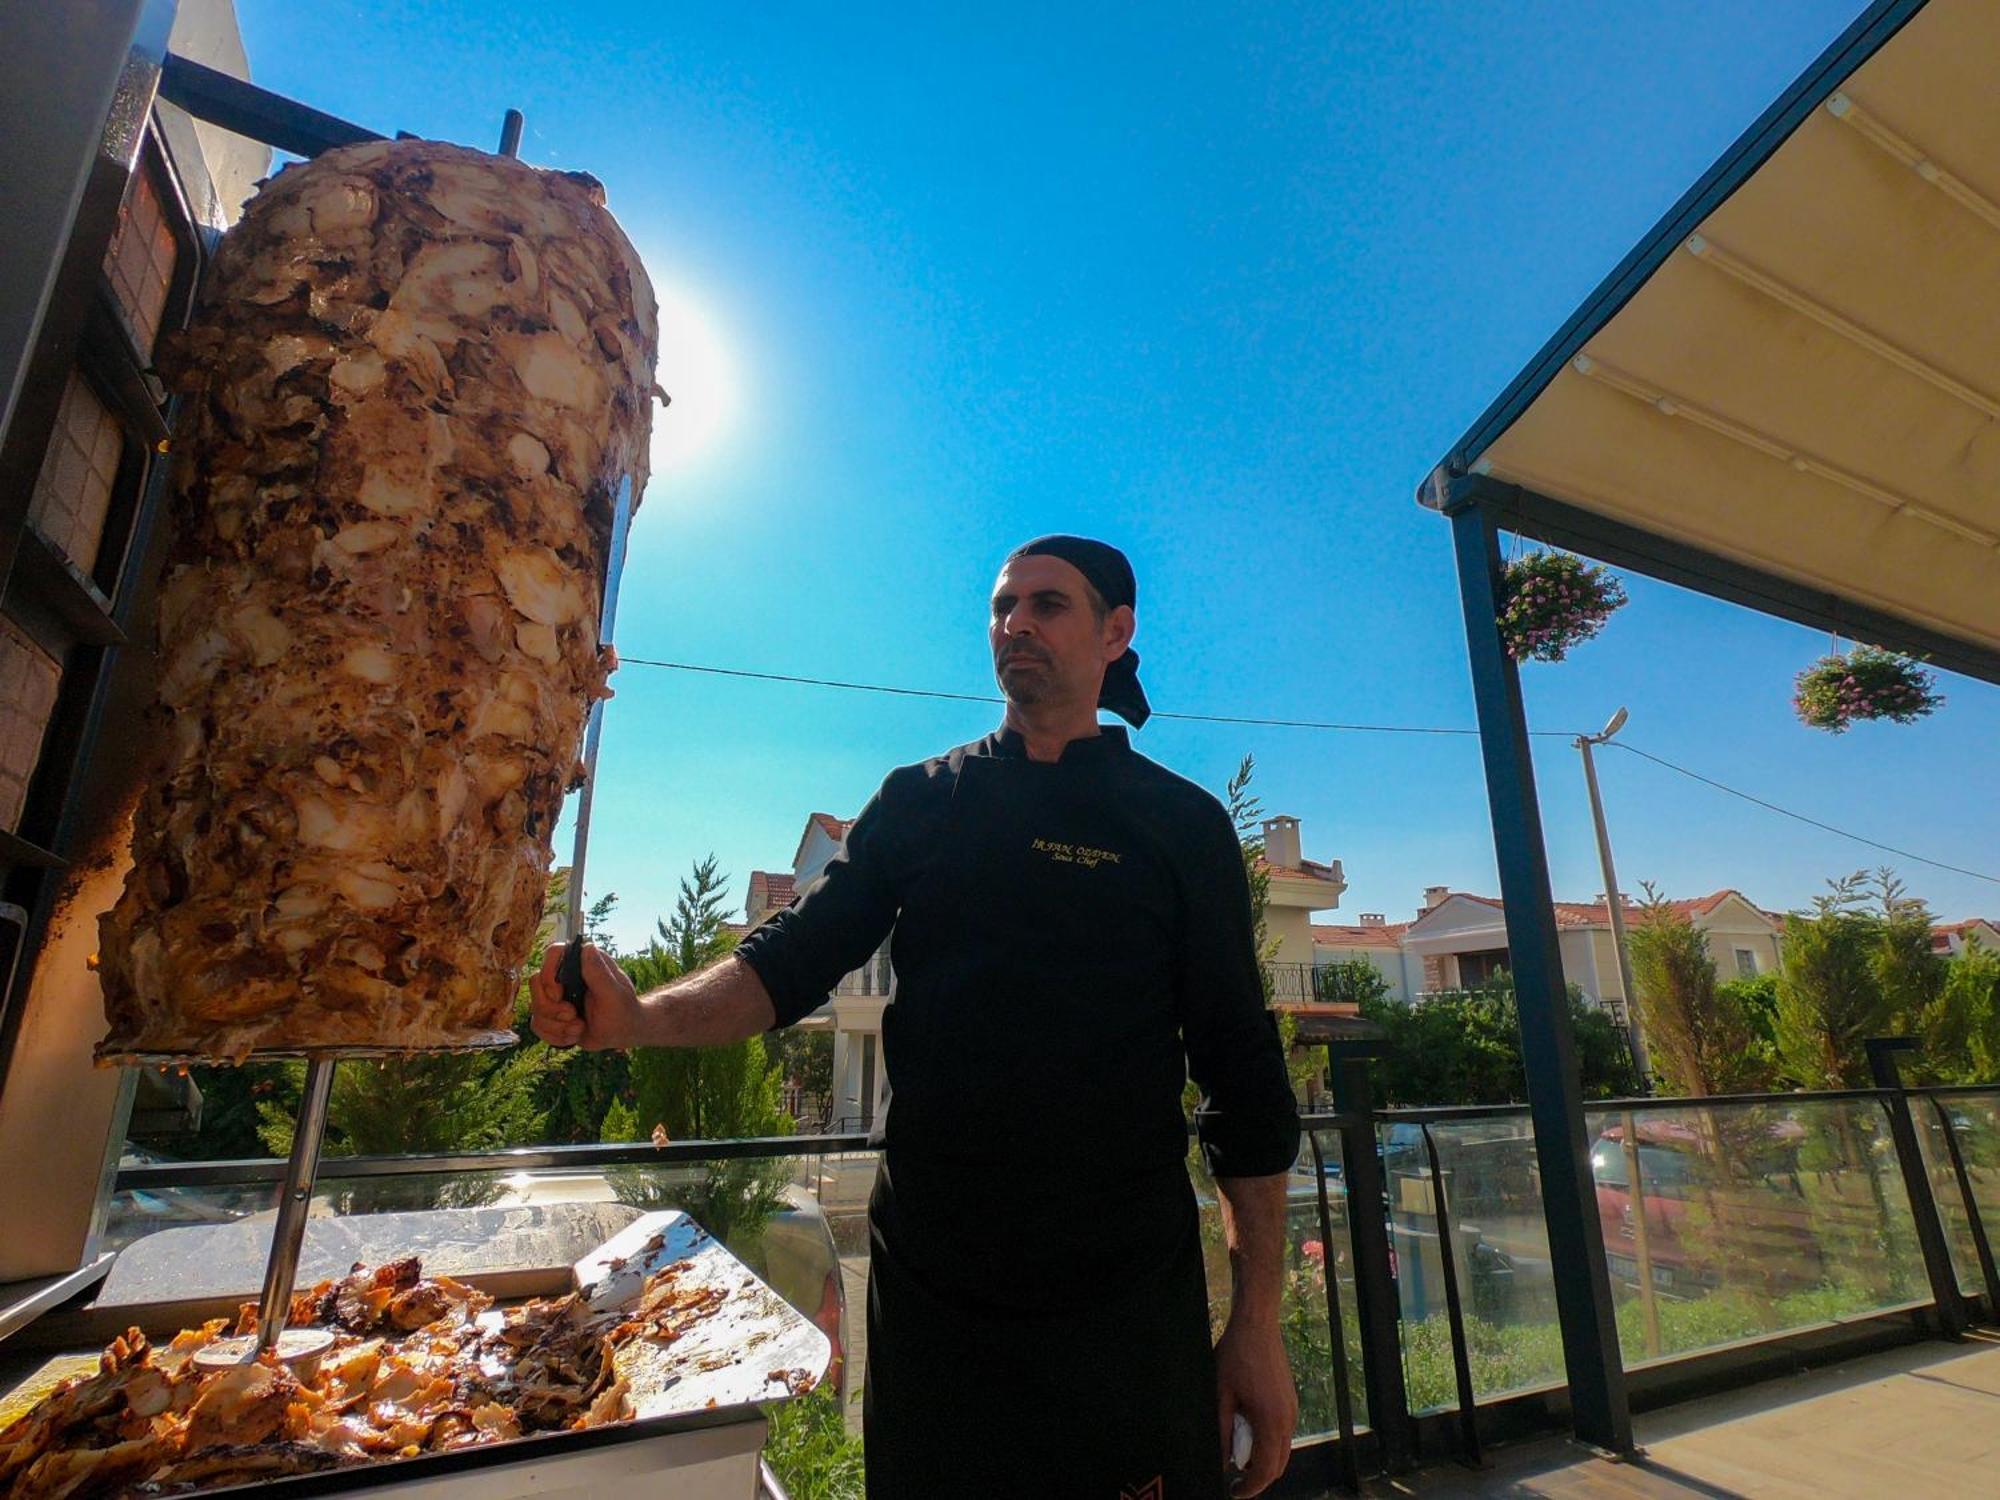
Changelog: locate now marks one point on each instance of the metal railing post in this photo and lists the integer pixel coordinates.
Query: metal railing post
(1974, 1218)
(1882, 1053)
(1375, 1307)
(1343, 1397)
(1454, 1306)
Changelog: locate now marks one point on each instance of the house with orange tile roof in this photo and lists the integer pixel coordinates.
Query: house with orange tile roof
(1460, 940)
(1951, 938)
(1298, 887)
(1377, 940)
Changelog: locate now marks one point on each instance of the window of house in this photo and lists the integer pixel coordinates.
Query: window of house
(1475, 969)
(1746, 963)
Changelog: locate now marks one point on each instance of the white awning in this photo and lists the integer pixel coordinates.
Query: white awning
(1799, 374)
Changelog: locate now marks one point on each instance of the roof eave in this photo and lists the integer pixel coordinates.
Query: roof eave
(1875, 26)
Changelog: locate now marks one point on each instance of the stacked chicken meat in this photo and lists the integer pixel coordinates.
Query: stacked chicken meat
(418, 375)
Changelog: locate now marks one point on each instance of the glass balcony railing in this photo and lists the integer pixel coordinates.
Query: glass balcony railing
(1724, 1222)
(1969, 1120)
(1499, 1253)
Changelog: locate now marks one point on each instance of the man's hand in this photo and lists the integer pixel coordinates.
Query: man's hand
(1254, 1377)
(611, 1012)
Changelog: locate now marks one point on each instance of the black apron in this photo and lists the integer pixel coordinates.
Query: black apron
(1037, 1304)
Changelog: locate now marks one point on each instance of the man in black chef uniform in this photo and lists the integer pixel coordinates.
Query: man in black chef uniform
(1071, 940)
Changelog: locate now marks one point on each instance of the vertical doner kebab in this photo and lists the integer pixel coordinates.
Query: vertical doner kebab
(416, 377)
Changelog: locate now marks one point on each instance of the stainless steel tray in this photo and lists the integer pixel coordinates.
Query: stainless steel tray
(753, 1350)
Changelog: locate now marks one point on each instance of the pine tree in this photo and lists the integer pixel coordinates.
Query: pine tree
(1698, 1035)
(700, 1093)
(1830, 995)
(1960, 1028)
(695, 935)
(1908, 970)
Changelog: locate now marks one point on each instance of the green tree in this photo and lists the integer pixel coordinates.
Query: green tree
(234, 1101)
(1464, 1047)
(1908, 969)
(429, 1103)
(1351, 981)
(1755, 998)
(804, 1057)
(1304, 1066)
(1960, 1028)
(1699, 1039)
(1846, 973)
(1604, 1063)
(1453, 1047)
(578, 1087)
(1246, 813)
(696, 934)
(700, 1093)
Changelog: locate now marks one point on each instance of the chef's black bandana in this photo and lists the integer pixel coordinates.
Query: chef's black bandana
(1111, 575)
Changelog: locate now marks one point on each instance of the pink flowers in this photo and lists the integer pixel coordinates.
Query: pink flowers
(1866, 683)
(1551, 602)
(1313, 1251)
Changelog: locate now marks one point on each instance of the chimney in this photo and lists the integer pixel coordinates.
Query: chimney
(1433, 894)
(1281, 841)
(1374, 919)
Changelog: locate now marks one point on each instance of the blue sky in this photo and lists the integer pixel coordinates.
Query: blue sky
(1218, 287)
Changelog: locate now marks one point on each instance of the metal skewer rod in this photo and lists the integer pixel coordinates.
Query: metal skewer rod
(570, 973)
(289, 1233)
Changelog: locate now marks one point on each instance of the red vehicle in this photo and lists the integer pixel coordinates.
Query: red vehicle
(1717, 1212)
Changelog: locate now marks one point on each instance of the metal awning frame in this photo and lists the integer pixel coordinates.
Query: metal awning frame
(1480, 506)
(1557, 523)
(1458, 479)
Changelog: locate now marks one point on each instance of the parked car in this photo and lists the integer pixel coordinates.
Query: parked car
(1747, 1223)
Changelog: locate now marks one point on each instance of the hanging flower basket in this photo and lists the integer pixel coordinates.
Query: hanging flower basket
(1552, 602)
(1865, 683)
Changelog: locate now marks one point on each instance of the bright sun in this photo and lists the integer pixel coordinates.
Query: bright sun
(697, 371)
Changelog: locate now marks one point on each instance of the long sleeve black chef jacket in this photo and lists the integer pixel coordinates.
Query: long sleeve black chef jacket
(1072, 939)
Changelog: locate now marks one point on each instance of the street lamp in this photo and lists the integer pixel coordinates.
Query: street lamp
(1585, 743)
(1642, 1249)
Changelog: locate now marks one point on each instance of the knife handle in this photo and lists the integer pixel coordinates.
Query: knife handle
(569, 973)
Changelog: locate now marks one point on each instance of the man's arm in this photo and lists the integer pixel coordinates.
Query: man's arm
(725, 1002)
(1253, 1374)
(781, 972)
(1249, 1129)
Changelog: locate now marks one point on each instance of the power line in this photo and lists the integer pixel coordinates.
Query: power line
(1319, 724)
(905, 692)
(1799, 816)
(825, 682)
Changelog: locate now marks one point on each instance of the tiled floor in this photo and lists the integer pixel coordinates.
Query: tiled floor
(1921, 1423)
